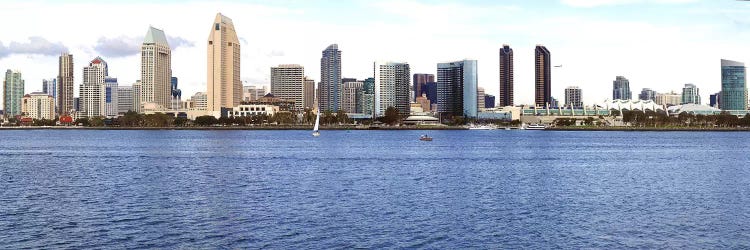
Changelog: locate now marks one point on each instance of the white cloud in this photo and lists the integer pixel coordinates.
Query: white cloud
(597, 3)
(34, 46)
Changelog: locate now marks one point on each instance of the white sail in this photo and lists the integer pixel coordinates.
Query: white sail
(317, 123)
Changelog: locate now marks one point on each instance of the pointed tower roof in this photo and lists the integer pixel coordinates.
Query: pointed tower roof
(155, 36)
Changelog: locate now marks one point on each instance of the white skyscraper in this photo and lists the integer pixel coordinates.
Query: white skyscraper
(224, 85)
(287, 82)
(124, 99)
(392, 81)
(156, 69)
(92, 91)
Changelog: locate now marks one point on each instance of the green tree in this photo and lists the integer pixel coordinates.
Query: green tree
(206, 120)
(342, 117)
(391, 116)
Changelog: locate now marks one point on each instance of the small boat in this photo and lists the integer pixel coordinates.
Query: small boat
(536, 127)
(425, 138)
(483, 127)
(507, 128)
(316, 133)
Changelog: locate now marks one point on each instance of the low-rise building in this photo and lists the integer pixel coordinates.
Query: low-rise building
(38, 105)
(245, 110)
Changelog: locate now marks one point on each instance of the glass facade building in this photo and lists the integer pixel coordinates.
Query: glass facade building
(621, 89)
(733, 86)
(506, 76)
(457, 88)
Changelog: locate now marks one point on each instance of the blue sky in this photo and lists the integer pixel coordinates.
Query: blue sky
(660, 44)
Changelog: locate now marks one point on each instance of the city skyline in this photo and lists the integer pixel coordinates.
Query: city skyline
(718, 27)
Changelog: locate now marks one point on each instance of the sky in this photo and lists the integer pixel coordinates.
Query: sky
(658, 44)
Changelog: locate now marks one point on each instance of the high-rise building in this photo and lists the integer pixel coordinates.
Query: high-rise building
(76, 103)
(690, 94)
(176, 94)
(92, 91)
(38, 105)
(309, 93)
(715, 99)
(506, 76)
(392, 81)
(351, 95)
(668, 99)
(200, 101)
(457, 88)
(124, 99)
(49, 86)
(621, 89)
(137, 104)
(156, 69)
(543, 77)
(329, 90)
(733, 85)
(431, 92)
(489, 101)
(253, 92)
(224, 85)
(13, 87)
(288, 83)
(480, 98)
(65, 88)
(420, 80)
(573, 97)
(647, 94)
(368, 96)
(111, 97)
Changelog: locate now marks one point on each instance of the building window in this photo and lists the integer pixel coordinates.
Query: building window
(217, 26)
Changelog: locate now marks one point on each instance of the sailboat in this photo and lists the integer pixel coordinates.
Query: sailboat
(316, 133)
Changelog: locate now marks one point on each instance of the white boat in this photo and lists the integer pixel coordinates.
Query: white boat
(482, 127)
(536, 127)
(425, 138)
(316, 133)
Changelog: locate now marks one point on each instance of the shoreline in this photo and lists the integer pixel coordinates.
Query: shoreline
(301, 128)
(652, 129)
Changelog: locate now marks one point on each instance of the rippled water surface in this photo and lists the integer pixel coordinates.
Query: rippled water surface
(373, 189)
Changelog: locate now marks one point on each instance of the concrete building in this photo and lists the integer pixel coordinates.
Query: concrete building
(224, 85)
(176, 94)
(480, 98)
(668, 99)
(690, 94)
(253, 92)
(733, 85)
(13, 87)
(245, 110)
(543, 77)
(49, 86)
(309, 93)
(156, 69)
(200, 101)
(351, 95)
(392, 81)
(137, 104)
(111, 97)
(124, 99)
(288, 83)
(424, 103)
(92, 91)
(506, 76)
(621, 89)
(457, 89)
(420, 80)
(65, 88)
(573, 97)
(647, 94)
(38, 105)
(489, 101)
(329, 90)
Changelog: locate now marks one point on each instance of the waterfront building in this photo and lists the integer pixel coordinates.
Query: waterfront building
(65, 88)
(457, 89)
(38, 105)
(489, 101)
(554, 102)
(124, 99)
(156, 69)
(351, 95)
(543, 77)
(420, 80)
(270, 99)
(13, 87)
(367, 103)
(49, 86)
(714, 100)
(506, 76)
(733, 85)
(287, 82)
(647, 94)
(480, 98)
(137, 104)
(176, 94)
(573, 97)
(92, 91)
(200, 101)
(329, 90)
(309, 93)
(111, 97)
(690, 94)
(253, 92)
(621, 89)
(224, 85)
(668, 99)
(392, 87)
(245, 110)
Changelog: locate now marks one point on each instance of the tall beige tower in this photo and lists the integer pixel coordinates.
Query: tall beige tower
(288, 83)
(65, 84)
(224, 85)
(156, 70)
